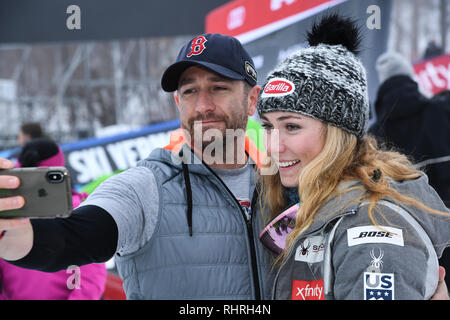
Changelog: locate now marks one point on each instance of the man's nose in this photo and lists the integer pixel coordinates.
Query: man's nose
(205, 102)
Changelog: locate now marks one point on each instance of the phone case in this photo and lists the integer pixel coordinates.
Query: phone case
(44, 196)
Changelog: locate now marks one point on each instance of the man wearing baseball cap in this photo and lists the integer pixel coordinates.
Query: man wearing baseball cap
(218, 53)
(180, 225)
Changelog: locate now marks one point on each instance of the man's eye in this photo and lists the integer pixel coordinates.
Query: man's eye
(188, 91)
(220, 88)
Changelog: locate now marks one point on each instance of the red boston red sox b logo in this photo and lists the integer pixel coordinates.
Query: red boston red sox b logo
(197, 46)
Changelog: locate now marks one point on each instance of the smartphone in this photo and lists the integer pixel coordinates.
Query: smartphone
(47, 192)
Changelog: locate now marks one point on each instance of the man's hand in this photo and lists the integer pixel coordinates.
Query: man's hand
(18, 240)
(441, 291)
(9, 182)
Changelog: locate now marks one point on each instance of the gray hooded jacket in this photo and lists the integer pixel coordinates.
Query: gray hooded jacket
(202, 247)
(343, 255)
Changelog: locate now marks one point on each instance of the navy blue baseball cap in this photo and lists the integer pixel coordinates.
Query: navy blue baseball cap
(218, 53)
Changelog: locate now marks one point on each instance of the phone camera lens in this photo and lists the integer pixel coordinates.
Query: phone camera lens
(55, 177)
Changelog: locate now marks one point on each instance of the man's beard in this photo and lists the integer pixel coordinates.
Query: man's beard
(216, 138)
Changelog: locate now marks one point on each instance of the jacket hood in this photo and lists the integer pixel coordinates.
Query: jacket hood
(398, 97)
(41, 152)
(176, 156)
(338, 205)
(175, 159)
(435, 225)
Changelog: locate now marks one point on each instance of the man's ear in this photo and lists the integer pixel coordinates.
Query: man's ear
(177, 100)
(253, 95)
